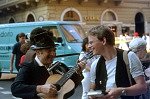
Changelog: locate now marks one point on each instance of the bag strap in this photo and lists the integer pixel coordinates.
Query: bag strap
(126, 60)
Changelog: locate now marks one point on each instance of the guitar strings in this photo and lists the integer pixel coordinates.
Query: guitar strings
(67, 76)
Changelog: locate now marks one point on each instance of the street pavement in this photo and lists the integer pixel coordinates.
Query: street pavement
(5, 92)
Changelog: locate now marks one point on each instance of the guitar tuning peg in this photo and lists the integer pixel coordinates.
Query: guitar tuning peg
(100, 82)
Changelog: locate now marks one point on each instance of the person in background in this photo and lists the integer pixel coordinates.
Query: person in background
(109, 73)
(24, 48)
(86, 72)
(136, 35)
(31, 78)
(16, 53)
(138, 45)
(17, 38)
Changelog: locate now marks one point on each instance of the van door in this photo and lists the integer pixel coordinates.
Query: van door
(5, 47)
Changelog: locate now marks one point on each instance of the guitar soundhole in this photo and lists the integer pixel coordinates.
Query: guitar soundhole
(61, 69)
(57, 87)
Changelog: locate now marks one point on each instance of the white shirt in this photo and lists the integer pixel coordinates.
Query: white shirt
(135, 69)
(38, 61)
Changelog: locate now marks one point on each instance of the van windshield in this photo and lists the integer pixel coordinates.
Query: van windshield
(73, 33)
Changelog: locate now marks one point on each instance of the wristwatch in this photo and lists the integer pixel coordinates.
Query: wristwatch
(123, 92)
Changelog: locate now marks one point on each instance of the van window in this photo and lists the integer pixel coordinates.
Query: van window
(73, 33)
(54, 29)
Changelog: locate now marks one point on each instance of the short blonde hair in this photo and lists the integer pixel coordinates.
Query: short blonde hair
(101, 32)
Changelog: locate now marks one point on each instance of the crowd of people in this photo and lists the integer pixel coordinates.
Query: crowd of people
(105, 71)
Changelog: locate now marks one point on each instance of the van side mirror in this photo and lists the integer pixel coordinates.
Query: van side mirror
(59, 40)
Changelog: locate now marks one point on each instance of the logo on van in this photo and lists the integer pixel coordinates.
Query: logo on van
(6, 34)
(7, 48)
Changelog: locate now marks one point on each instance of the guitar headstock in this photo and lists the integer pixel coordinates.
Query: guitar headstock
(90, 55)
(87, 56)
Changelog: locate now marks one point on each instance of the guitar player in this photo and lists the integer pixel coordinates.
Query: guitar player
(31, 78)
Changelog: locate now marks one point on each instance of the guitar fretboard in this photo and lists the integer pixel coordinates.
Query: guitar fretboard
(68, 75)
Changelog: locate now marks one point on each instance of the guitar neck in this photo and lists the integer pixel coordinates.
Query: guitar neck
(66, 76)
(69, 74)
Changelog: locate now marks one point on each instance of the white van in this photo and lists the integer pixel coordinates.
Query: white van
(68, 39)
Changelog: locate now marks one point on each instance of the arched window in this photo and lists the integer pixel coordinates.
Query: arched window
(30, 18)
(109, 16)
(71, 16)
(11, 20)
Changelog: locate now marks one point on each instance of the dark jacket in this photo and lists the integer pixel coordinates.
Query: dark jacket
(31, 75)
(28, 77)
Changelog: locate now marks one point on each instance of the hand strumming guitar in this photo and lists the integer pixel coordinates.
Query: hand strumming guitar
(47, 89)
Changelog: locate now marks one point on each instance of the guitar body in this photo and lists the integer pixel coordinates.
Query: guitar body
(66, 85)
(66, 90)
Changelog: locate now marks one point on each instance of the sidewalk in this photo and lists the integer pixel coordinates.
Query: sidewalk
(8, 76)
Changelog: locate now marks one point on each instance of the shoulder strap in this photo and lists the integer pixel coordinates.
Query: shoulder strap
(126, 60)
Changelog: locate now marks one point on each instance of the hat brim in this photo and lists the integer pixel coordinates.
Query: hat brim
(34, 47)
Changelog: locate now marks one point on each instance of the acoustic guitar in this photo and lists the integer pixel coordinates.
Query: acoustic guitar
(65, 86)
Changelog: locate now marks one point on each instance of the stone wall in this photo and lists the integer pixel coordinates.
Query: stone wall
(91, 12)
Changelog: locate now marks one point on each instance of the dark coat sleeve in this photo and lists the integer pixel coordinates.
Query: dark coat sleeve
(22, 87)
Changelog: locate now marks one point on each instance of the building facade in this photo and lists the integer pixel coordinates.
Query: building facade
(122, 16)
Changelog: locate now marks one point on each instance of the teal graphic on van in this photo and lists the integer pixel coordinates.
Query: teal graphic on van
(0, 71)
(67, 35)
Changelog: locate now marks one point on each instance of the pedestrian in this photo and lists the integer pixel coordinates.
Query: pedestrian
(16, 53)
(24, 48)
(86, 52)
(138, 45)
(109, 73)
(31, 78)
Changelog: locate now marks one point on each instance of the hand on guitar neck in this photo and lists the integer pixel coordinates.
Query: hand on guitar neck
(81, 66)
(82, 63)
